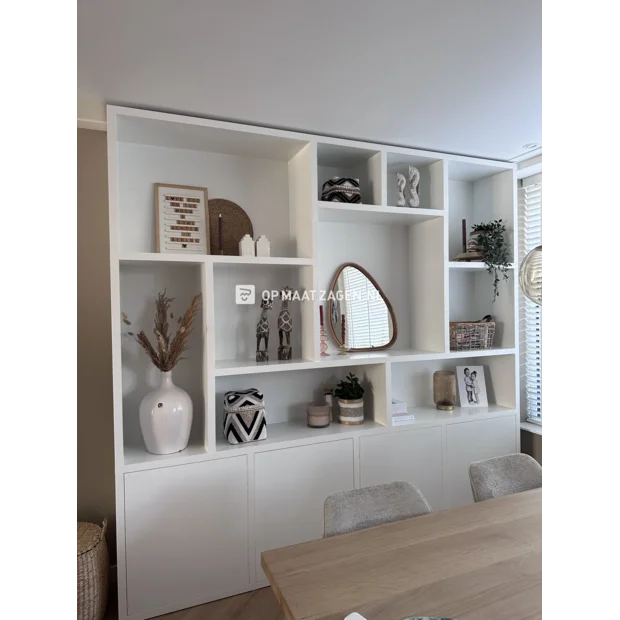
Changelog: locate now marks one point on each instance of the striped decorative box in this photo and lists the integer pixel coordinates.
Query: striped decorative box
(342, 189)
(244, 416)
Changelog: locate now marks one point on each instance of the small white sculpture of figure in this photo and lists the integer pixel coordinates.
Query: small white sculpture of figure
(414, 184)
(401, 182)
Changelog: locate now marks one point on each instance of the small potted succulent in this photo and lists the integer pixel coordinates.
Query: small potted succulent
(350, 400)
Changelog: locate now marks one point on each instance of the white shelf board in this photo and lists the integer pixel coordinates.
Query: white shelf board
(480, 353)
(138, 459)
(260, 260)
(405, 355)
(472, 266)
(530, 427)
(413, 355)
(430, 415)
(227, 368)
(374, 214)
(387, 355)
(197, 259)
(298, 432)
(155, 257)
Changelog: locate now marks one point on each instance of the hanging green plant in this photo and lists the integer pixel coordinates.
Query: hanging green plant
(492, 244)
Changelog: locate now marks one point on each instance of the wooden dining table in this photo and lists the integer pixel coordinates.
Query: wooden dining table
(480, 561)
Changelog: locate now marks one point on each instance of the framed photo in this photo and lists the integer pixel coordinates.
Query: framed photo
(181, 219)
(472, 387)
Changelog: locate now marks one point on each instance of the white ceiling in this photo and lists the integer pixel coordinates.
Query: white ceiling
(459, 76)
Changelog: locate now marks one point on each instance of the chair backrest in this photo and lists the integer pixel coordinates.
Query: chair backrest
(361, 508)
(504, 475)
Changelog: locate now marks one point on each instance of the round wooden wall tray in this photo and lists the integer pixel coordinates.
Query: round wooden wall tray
(235, 224)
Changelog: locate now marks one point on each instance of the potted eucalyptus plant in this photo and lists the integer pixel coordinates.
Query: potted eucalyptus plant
(350, 394)
(491, 241)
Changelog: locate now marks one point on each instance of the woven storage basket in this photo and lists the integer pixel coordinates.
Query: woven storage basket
(471, 336)
(92, 571)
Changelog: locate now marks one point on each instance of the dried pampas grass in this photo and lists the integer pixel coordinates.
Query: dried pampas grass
(167, 352)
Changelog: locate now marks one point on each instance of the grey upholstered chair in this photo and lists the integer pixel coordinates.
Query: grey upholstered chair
(504, 475)
(350, 511)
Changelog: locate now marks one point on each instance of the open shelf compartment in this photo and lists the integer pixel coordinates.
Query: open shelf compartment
(234, 338)
(412, 382)
(430, 188)
(471, 299)
(352, 162)
(479, 194)
(139, 285)
(261, 173)
(286, 402)
(406, 262)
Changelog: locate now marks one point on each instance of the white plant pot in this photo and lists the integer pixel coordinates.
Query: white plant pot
(166, 417)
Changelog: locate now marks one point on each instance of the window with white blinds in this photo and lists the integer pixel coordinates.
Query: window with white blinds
(530, 235)
(367, 315)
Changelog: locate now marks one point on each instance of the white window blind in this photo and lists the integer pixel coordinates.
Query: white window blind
(367, 315)
(530, 235)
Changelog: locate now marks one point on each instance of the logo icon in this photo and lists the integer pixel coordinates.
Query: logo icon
(245, 294)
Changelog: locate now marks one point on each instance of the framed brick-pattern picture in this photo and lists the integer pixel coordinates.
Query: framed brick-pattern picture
(181, 219)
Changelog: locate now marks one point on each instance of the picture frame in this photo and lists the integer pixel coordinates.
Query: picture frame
(181, 219)
(472, 386)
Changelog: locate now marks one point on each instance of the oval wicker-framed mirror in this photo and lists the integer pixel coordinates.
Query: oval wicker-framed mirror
(361, 317)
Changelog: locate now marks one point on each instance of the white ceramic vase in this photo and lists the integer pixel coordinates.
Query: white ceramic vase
(166, 417)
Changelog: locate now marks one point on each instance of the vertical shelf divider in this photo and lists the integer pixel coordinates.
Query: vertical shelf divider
(303, 224)
(208, 356)
(376, 167)
(440, 200)
(428, 272)
(384, 179)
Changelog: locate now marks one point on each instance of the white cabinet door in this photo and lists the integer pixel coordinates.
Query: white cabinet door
(290, 492)
(415, 456)
(474, 441)
(186, 533)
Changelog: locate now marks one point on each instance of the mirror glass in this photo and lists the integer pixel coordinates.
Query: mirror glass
(360, 316)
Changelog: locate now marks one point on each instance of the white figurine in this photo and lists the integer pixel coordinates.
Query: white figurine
(414, 184)
(246, 246)
(401, 182)
(262, 246)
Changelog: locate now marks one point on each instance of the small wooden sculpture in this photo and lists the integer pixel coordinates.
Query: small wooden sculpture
(401, 182)
(414, 184)
(285, 326)
(262, 331)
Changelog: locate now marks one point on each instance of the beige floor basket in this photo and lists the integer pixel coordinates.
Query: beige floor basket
(92, 571)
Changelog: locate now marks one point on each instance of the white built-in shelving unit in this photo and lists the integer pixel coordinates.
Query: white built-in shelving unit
(191, 525)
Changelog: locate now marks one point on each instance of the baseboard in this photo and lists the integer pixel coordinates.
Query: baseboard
(195, 602)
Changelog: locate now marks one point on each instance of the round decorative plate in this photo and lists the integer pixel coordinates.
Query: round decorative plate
(235, 224)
